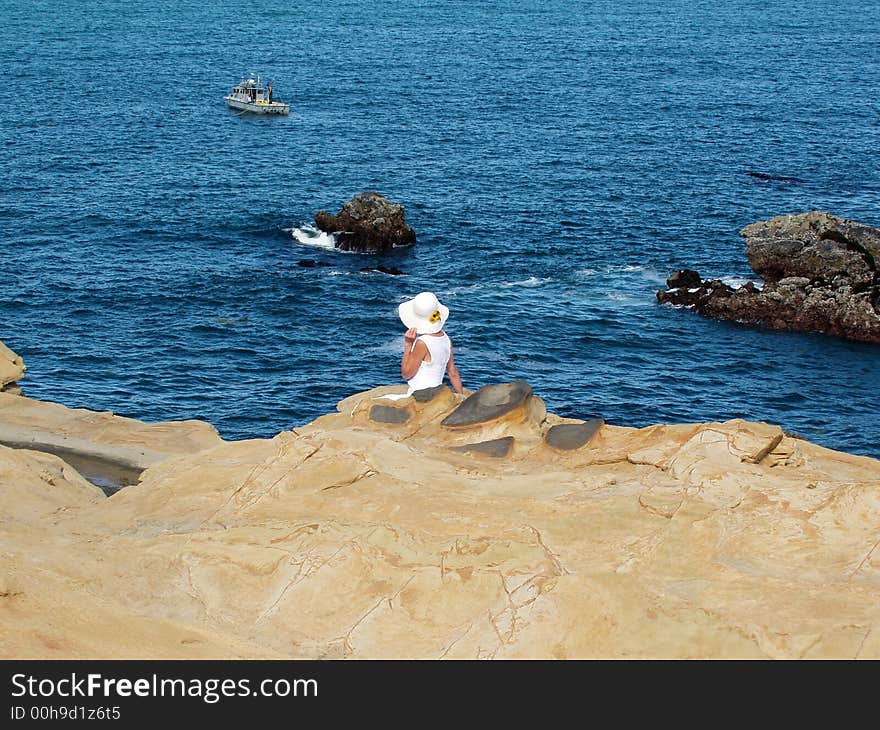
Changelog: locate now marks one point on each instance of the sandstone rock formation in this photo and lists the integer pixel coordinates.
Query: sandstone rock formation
(367, 536)
(103, 446)
(820, 275)
(11, 369)
(368, 222)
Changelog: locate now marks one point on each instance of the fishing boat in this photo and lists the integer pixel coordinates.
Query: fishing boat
(249, 95)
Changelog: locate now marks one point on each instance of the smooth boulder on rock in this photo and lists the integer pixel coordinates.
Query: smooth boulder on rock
(488, 404)
(367, 223)
(571, 436)
(819, 272)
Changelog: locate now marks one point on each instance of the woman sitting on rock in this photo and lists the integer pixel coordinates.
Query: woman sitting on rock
(427, 352)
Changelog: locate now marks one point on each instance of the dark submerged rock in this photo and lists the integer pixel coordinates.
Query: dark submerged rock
(773, 178)
(820, 275)
(369, 222)
(392, 270)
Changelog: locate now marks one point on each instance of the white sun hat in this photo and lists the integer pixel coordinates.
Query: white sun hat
(424, 312)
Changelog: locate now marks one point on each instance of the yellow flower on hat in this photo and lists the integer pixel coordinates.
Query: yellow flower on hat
(434, 318)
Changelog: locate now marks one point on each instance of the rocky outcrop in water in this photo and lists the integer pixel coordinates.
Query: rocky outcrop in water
(436, 527)
(368, 223)
(11, 370)
(820, 275)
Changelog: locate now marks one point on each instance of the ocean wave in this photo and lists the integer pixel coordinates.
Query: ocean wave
(310, 236)
(645, 272)
(625, 267)
(628, 298)
(373, 270)
(532, 281)
(459, 289)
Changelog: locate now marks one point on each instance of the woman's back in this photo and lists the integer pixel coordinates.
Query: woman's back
(430, 374)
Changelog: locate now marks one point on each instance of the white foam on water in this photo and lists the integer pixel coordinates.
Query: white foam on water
(738, 281)
(644, 272)
(459, 289)
(629, 299)
(374, 272)
(654, 276)
(625, 267)
(532, 281)
(311, 236)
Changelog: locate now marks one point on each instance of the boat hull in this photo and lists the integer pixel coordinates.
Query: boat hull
(260, 107)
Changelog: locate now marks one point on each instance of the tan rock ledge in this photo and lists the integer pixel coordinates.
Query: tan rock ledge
(349, 537)
(100, 443)
(12, 368)
(108, 449)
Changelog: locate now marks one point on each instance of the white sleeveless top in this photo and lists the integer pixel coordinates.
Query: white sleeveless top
(431, 373)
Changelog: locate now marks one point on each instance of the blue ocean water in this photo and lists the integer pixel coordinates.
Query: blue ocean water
(557, 161)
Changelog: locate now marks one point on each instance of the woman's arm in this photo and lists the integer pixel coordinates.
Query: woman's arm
(412, 356)
(454, 377)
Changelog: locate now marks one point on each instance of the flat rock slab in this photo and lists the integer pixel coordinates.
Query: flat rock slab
(661, 502)
(498, 448)
(389, 414)
(102, 436)
(489, 403)
(570, 436)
